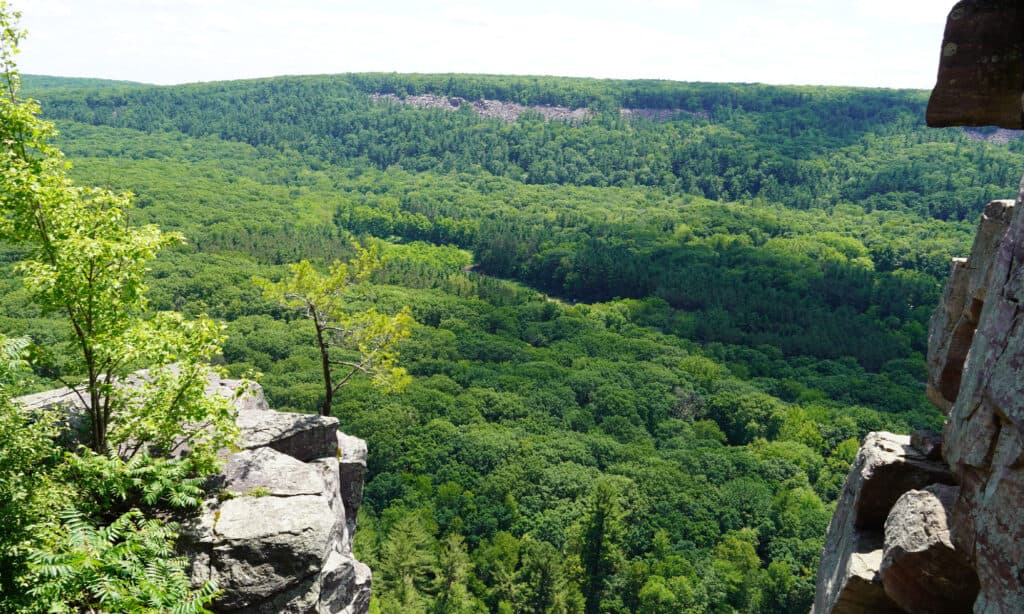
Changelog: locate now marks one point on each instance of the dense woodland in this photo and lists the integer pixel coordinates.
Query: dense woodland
(644, 352)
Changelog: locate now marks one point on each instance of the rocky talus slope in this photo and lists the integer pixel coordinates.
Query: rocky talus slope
(935, 523)
(277, 538)
(510, 111)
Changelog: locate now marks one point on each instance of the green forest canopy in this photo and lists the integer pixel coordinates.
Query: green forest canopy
(666, 334)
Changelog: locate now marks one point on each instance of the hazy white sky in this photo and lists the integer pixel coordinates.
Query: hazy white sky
(886, 43)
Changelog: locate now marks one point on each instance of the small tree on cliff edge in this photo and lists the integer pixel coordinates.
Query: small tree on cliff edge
(356, 342)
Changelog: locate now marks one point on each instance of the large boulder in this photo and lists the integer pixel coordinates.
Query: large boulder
(887, 466)
(256, 547)
(303, 436)
(921, 570)
(267, 471)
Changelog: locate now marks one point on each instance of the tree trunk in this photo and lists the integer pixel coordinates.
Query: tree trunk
(325, 362)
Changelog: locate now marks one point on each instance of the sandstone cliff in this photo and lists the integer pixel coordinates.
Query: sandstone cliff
(930, 524)
(277, 538)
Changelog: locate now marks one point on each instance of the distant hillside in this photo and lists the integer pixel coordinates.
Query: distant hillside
(35, 83)
(803, 147)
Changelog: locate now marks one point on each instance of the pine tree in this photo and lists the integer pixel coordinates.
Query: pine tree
(601, 555)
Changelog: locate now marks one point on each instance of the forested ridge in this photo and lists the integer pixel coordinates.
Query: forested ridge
(804, 147)
(644, 352)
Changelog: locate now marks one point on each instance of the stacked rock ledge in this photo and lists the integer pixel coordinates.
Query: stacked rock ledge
(279, 537)
(886, 466)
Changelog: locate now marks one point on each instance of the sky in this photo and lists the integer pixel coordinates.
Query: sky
(874, 43)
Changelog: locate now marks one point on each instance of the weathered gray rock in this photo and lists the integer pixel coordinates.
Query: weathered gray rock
(279, 544)
(303, 436)
(258, 547)
(71, 402)
(981, 68)
(327, 469)
(245, 394)
(952, 326)
(345, 584)
(976, 375)
(283, 545)
(984, 436)
(852, 584)
(352, 468)
(921, 570)
(274, 473)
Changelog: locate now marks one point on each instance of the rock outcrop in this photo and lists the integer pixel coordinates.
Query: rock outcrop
(886, 466)
(981, 68)
(957, 548)
(984, 436)
(511, 111)
(277, 539)
(955, 540)
(953, 324)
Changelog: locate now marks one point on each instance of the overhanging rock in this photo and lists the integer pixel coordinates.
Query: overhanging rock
(981, 68)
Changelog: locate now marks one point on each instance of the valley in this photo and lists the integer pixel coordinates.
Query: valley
(647, 344)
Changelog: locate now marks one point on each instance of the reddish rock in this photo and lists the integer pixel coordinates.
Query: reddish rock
(984, 436)
(952, 326)
(981, 67)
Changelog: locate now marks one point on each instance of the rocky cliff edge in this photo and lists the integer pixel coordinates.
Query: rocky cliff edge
(934, 523)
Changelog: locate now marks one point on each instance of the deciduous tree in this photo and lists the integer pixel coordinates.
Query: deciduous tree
(86, 261)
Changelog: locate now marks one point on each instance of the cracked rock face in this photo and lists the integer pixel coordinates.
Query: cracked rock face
(267, 469)
(352, 468)
(886, 466)
(944, 545)
(279, 542)
(952, 326)
(984, 437)
(303, 436)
